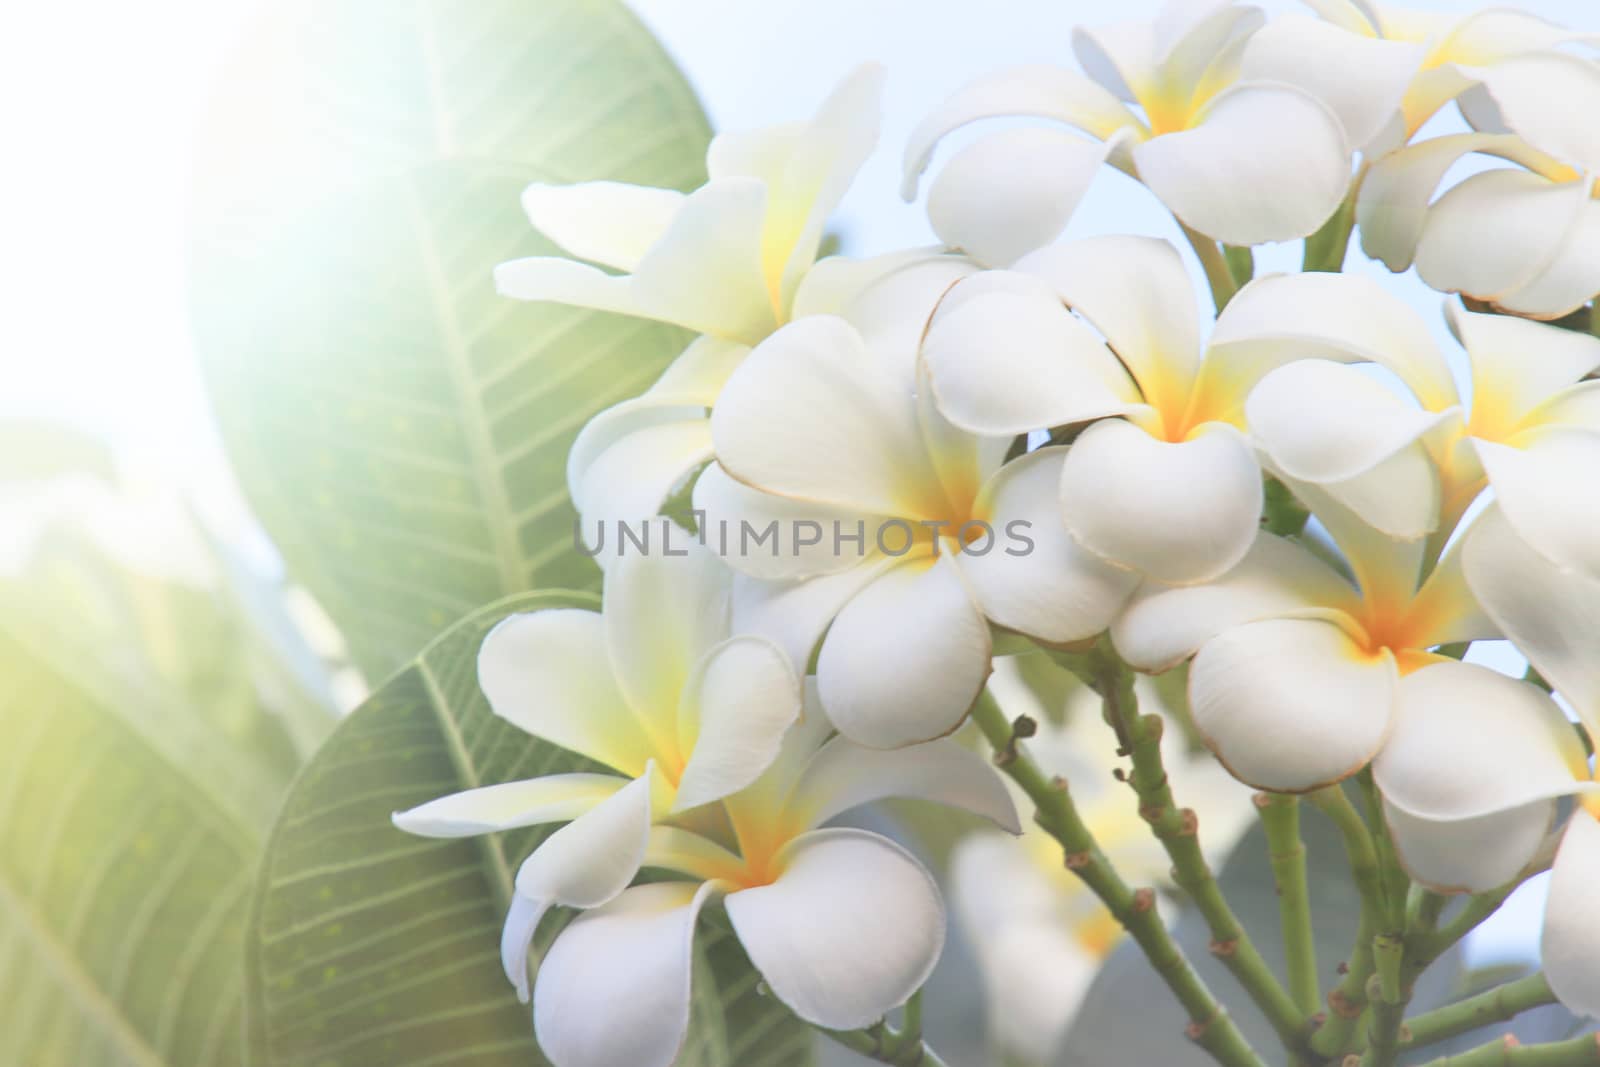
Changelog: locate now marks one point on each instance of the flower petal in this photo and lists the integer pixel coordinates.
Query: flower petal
(776, 537)
(848, 931)
(1013, 191)
(1523, 88)
(1470, 855)
(1363, 78)
(1277, 578)
(1569, 280)
(628, 483)
(734, 717)
(1571, 940)
(1278, 319)
(663, 614)
(1045, 586)
(553, 798)
(706, 271)
(1119, 55)
(1518, 365)
(1496, 232)
(1469, 741)
(813, 414)
(1009, 360)
(1178, 512)
(1552, 615)
(1039, 90)
(609, 223)
(1232, 180)
(548, 673)
(1136, 292)
(905, 658)
(1291, 705)
(1550, 492)
(614, 988)
(843, 775)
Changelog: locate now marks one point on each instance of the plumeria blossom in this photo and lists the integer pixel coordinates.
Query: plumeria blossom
(1226, 133)
(843, 925)
(1531, 429)
(824, 423)
(1299, 673)
(1164, 480)
(727, 261)
(1524, 238)
(1039, 934)
(1473, 775)
(653, 687)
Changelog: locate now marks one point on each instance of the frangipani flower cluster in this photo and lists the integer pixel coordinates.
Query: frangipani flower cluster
(905, 468)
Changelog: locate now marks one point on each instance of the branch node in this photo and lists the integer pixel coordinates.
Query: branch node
(1343, 1006)
(1143, 901)
(1225, 949)
(1077, 861)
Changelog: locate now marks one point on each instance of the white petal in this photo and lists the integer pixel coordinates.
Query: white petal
(662, 615)
(1136, 292)
(614, 988)
(905, 658)
(1045, 586)
(1007, 362)
(1330, 424)
(1361, 77)
(1176, 512)
(1012, 191)
(553, 798)
(1469, 741)
(1519, 365)
(892, 313)
(1550, 492)
(777, 537)
(1552, 615)
(734, 717)
(1266, 163)
(843, 775)
(548, 673)
(1496, 232)
(1569, 280)
(1470, 855)
(1524, 89)
(832, 284)
(1276, 579)
(561, 281)
(814, 415)
(1192, 36)
(850, 929)
(629, 482)
(1291, 704)
(582, 865)
(1119, 55)
(1041, 91)
(604, 222)
(1392, 208)
(1570, 949)
(794, 614)
(705, 272)
(1277, 319)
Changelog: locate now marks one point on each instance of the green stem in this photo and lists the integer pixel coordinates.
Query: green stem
(1347, 1003)
(1177, 830)
(1210, 1026)
(1280, 818)
(878, 1042)
(1430, 947)
(1219, 275)
(1581, 1051)
(1326, 249)
(1492, 1006)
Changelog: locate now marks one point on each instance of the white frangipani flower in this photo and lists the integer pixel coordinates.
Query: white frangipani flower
(843, 925)
(1299, 673)
(1474, 772)
(653, 687)
(1531, 430)
(1167, 482)
(1227, 135)
(1525, 239)
(728, 261)
(825, 423)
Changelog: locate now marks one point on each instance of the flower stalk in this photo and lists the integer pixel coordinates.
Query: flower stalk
(1280, 817)
(1210, 1025)
(1581, 1051)
(1491, 1006)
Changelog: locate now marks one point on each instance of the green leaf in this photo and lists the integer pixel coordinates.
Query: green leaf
(400, 429)
(372, 946)
(1128, 1016)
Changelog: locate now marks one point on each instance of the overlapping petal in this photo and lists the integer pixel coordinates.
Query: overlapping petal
(553, 798)
(733, 718)
(843, 775)
(1571, 940)
(609, 223)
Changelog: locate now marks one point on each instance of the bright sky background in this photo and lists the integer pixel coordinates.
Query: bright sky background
(98, 99)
